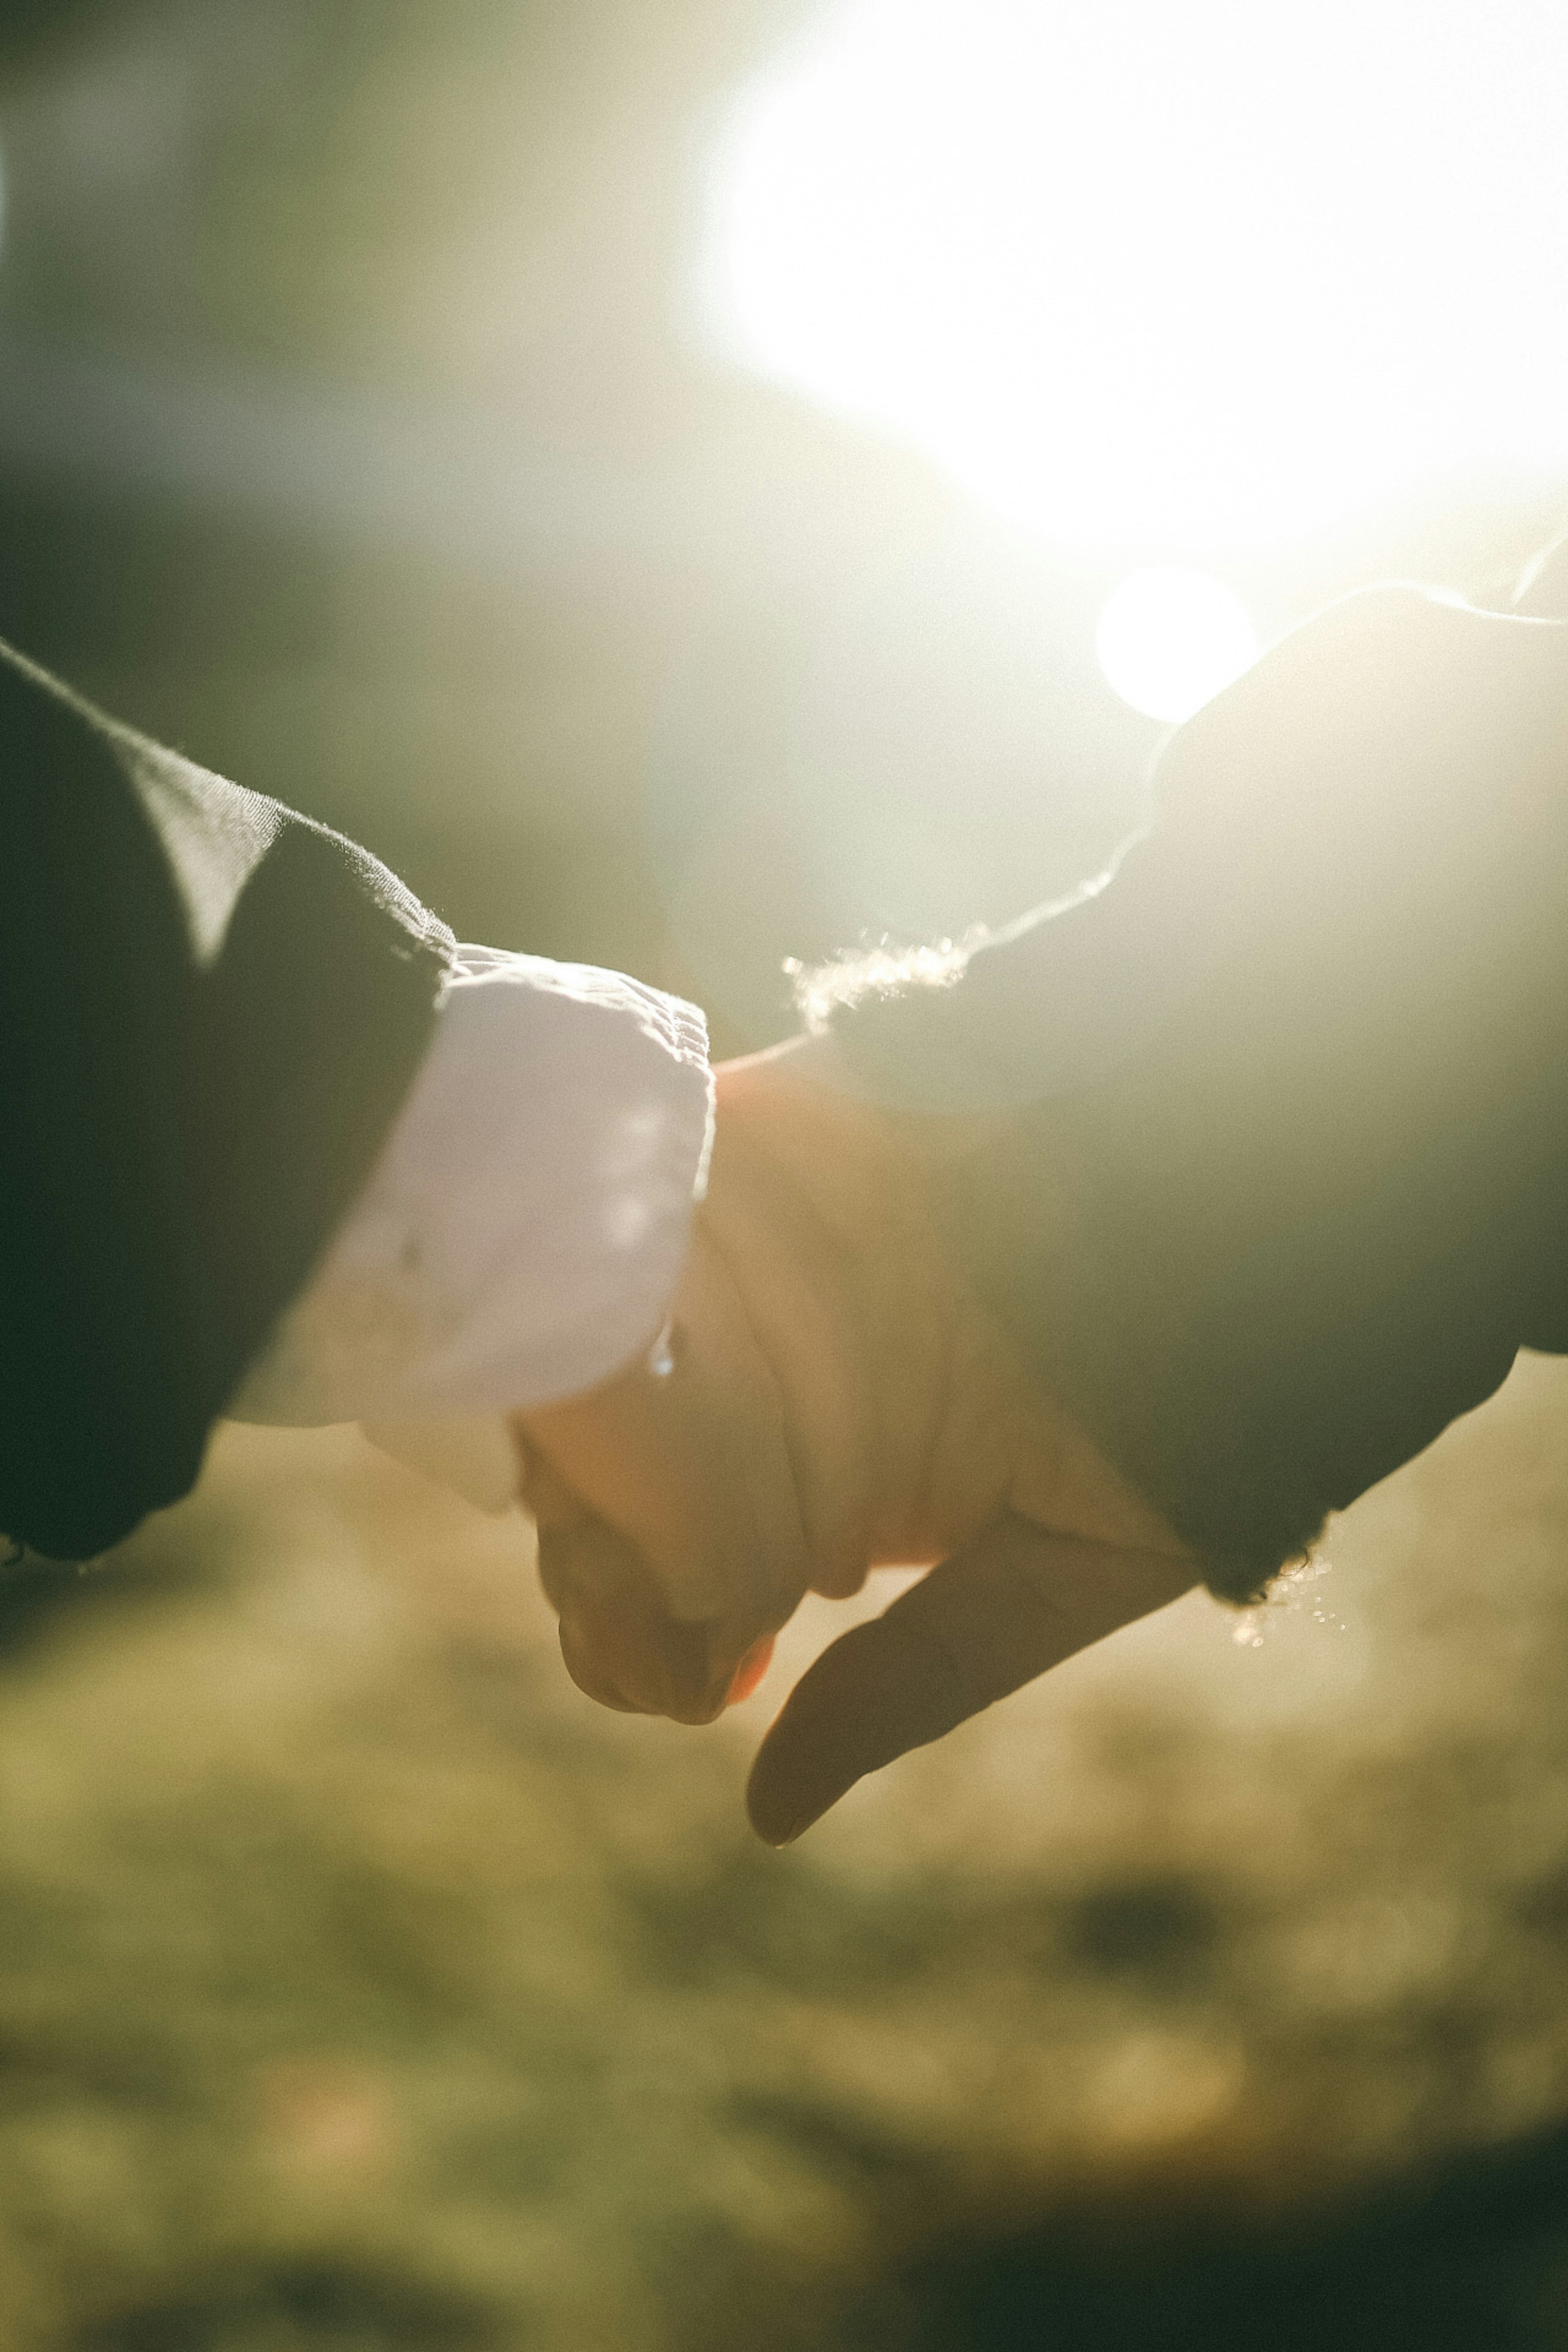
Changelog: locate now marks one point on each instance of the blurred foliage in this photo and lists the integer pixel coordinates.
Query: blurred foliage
(359, 432)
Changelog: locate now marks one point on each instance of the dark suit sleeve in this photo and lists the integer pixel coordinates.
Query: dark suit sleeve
(1283, 1185)
(210, 1009)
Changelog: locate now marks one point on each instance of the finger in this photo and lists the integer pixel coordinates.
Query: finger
(584, 1653)
(754, 1665)
(800, 1289)
(623, 1645)
(620, 1641)
(541, 1489)
(1009, 1606)
(580, 1658)
(694, 1468)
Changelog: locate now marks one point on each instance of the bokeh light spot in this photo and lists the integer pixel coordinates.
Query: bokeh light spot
(1169, 639)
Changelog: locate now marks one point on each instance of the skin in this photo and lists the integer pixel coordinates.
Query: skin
(841, 1401)
(844, 1401)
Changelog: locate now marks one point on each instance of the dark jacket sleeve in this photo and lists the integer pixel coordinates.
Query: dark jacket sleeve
(210, 1009)
(1284, 1182)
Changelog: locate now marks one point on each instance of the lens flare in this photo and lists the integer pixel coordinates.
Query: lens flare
(1135, 272)
(1169, 639)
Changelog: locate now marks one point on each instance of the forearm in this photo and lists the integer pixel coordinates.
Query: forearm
(272, 1145)
(210, 1010)
(1277, 1188)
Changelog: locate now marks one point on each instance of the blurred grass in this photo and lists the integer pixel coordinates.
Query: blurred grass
(362, 1985)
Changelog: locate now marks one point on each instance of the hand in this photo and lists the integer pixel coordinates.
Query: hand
(842, 1402)
(878, 1391)
(1017, 1601)
(669, 1534)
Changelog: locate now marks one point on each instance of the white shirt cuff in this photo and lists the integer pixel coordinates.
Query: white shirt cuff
(522, 1232)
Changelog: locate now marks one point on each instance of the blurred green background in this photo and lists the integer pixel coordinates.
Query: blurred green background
(361, 1985)
(362, 432)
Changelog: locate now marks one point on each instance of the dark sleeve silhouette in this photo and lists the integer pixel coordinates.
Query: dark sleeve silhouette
(1288, 1188)
(210, 1009)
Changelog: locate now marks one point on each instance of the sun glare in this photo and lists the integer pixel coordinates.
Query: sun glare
(1207, 272)
(1169, 639)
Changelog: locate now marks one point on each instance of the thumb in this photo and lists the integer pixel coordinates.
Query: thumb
(1017, 1601)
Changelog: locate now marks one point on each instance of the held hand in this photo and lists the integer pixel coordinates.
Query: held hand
(841, 1401)
(877, 1390)
(669, 1536)
(934, 1445)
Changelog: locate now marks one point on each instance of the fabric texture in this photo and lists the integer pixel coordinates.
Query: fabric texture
(1281, 1180)
(523, 1227)
(194, 981)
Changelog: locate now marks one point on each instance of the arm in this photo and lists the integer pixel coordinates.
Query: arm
(1279, 1184)
(191, 981)
(1255, 1161)
(279, 1148)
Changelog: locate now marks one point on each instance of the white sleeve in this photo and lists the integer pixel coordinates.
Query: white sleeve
(523, 1230)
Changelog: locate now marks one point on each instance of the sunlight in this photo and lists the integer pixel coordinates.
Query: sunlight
(1202, 273)
(1169, 639)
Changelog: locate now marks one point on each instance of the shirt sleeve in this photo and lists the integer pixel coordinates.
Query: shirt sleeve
(522, 1232)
